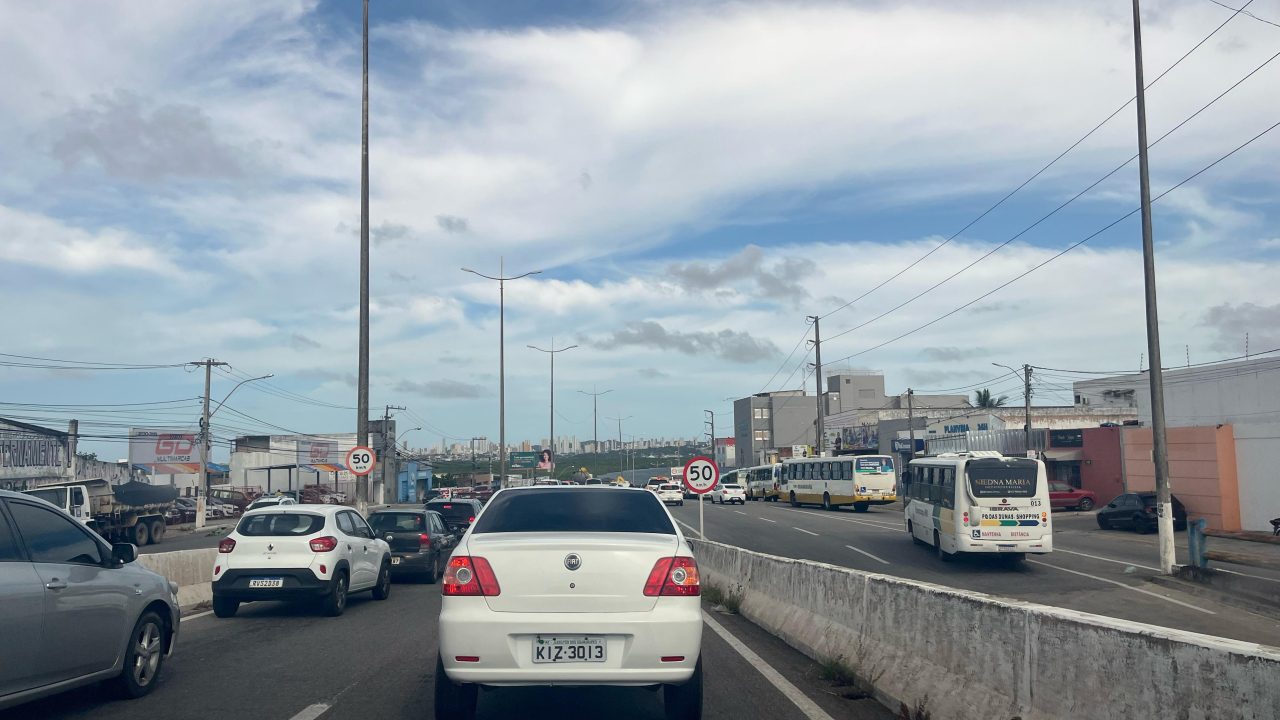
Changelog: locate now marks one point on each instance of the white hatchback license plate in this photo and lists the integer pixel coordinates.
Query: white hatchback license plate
(395, 561)
(568, 650)
(266, 582)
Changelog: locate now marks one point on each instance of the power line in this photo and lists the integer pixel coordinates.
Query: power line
(1168, 368)
(1242, 12)
(1068, 249)
(1038, 173)
(769, 382)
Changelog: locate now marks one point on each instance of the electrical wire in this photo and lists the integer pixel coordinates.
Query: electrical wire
(1242, 12)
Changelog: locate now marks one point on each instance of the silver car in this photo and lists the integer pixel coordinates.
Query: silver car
(75, 610)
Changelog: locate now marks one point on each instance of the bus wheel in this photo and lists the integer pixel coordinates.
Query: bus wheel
(1014, 560)
(943, 555)
(793, 499)
(861, 507)
(911, 530)
(826, 501)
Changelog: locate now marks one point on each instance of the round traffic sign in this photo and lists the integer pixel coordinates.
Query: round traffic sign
(360, 460)
(701, 475)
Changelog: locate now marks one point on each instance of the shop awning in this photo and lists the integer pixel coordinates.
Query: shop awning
(1063, 455)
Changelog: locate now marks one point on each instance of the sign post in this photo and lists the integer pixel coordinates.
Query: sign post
(701, 475)
(360, 460)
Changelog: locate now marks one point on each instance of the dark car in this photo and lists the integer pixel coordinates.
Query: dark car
(1137, 511)
(458, 514)
(419, 539)
(1062, 495)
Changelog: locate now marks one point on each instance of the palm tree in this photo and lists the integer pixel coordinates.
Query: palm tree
(984, 399)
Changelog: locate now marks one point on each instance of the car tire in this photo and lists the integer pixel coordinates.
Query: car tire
(382, 590)
(453, 701)
(141, 534)
(1140, 525)
(1085, 505)
(225, 607)
(336, 601)
(143, 658)
(826, 501)
(684, 701)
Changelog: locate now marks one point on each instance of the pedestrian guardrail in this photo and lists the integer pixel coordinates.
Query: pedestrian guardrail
(1201, 554)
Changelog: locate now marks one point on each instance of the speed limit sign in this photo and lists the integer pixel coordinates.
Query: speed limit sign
(360, 460)
(701, 475)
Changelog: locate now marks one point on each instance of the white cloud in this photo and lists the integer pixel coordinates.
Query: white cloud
(31, 239)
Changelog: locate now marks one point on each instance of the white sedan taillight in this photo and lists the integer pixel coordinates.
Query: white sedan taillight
(468, 575)
(674, 576)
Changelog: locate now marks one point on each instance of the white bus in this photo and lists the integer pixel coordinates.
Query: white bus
(978, 502)
(860, 481)
(761, 481)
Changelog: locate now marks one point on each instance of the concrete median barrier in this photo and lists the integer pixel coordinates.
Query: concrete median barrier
(191, 569)
(969, 655)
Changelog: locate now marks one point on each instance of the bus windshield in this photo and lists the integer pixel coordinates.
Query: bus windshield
(1002, 477)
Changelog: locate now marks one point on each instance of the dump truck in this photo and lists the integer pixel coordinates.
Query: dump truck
(131, 512)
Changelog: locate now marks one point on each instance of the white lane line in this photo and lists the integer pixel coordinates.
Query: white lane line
(864, 552)
(791, 692)
(1255, 577)
(768, 520)
(692, 529)
(311, 712)
(185, 618)
(868, 523)
(1126, 587)
(1104, 559)
(739, 512)
(793, 527)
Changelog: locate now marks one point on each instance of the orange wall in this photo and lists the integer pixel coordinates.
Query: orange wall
(1202, 471)
(1101, 469)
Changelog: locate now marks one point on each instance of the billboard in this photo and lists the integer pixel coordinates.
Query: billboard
(165, 452)
(523, 461)
(322, 455)
(546, 460)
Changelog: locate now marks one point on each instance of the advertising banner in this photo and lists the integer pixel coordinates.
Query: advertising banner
(523, 461)
(165, 452)
(324, 455)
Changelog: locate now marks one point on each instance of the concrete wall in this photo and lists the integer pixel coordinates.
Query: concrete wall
(1202, 470)
(1258, 466)
(191, 569)
(977, 657)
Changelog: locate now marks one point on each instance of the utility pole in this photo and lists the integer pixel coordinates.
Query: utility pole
(711, 420)
(911, 420)
(202, 491)
(1026, 398)
(817, 377)
(552, 352)
(388, 448)
(595, 423)
(622, 461)
(1160, 450)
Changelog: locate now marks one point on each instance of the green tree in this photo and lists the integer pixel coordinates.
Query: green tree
(984, 399)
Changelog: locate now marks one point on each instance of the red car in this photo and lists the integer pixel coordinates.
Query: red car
(1062, 495)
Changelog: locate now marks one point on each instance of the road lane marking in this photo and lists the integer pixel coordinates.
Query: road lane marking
(739, 512)
(1126, 587)
(311, 712)
(1255, 577)
(768, 520)
(692, 529)
(1104, 559)
(784, 686)
(185, 618)
(864, 552)
(793, 527)
(868, 523)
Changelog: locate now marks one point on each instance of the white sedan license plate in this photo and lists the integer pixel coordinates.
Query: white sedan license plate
(568, 649)
(395, 560)
(266, 582)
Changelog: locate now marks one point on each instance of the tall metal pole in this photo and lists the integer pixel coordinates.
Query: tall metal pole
(362, 402)
(1026, 399)
(1160, 448)
(552, 352)
(817, 377)
(911, 420)
(595, 422)
(202, 492)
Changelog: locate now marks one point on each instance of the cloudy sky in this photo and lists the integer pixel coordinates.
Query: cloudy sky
(181, 180)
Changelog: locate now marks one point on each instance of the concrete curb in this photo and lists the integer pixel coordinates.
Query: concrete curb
(978, 657)
(1257, 596)
(192, 570)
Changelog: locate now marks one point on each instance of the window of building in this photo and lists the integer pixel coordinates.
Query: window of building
(760, 413)
(762, 436)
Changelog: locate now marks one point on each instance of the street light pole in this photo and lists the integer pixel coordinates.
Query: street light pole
(206, 434)
(622, 461)
(595, 422)
(362, 382)
(552, 352)
(502, 360)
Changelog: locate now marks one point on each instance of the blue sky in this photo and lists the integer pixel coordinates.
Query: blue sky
(693, 178)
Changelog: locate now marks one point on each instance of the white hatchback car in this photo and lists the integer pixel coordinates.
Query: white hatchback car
(671, 494)
(300, 552)
(729, 493)
(571, 586)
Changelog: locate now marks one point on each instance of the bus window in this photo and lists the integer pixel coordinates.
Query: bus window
(948, 487)
(824, 471)
(846, 471)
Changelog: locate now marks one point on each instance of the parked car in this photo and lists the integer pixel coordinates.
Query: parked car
(1064, 496)
(571, 586)
(75, 610)
(419, 539)
(1137, 511)
(671, 494)
(238, 497)
(300, 552)
(271, 501)
(458, 513)
(729, 493)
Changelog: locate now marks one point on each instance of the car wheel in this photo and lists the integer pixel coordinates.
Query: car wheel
(684, 702)
(1103, 523)
(433, 573)
(157, 530)
(793, 499)
(225, 607)
(1085, 505)
(141, 534)
(454, 701)
(826, 501)
(943, 555)
(336, 601)
(382, 590)
(1140, 524)
(142, 658)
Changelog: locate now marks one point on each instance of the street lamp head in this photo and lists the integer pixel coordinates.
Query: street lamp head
(569, 348)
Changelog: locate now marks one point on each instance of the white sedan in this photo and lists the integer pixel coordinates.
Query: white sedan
(671, 494)
(571, 586)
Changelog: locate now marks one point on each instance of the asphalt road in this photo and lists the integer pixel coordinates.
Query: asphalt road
(281, 662)
(1102, 572)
